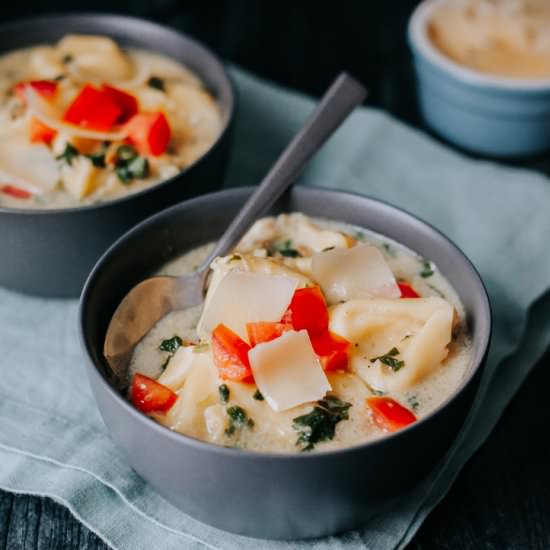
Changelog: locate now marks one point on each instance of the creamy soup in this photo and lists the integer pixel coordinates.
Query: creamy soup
(313, 336)
(500, 37)
(85, 121)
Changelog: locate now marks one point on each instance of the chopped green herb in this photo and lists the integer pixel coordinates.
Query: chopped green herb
(238, 418)
(98, 159)
(320, 424)
(413, 402)
(156, 83)
(129, 165)
(60, 77)
(126, 153)
(67, 59)
(390, 360)
(171, 345)
(388, 249)
(359, 236)
(201, 348)
(287, 251)
(427, 271)
(223, 390)
(69, 154)
(328, 248)
(258, 395)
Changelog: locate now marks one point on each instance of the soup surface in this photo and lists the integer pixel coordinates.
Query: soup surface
(313, 336)
(500, 37)
(85, 121)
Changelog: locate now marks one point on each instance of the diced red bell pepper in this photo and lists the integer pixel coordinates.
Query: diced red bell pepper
(258, 333)
(127, 102)
(40, 133)
(94, 109)
(332, 350)
(407, 291)
(16, 192)
(149, 132)
(149, 396)
(230, 353)
(308, 310)
(388, 414)
(46, 88)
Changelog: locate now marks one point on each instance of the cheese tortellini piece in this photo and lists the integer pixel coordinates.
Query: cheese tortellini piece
(96, 57)
(419, 329)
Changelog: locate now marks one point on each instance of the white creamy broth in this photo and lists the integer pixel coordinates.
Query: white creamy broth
(199, 410)
(170, 122)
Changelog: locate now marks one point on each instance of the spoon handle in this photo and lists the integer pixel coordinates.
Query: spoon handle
(338, 102)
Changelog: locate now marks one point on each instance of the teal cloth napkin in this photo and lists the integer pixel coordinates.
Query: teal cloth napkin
(53, 441)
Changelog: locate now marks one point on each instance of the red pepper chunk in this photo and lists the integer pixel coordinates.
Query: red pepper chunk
(46, 88)
(40, 133)
(94, 109)
(388, 414)
(407, 291)
(308, 310)
(259, 333)
(16, 192)
(127, 102)
(149, 132)
(230, 353)
(149, 396)
(332, 350)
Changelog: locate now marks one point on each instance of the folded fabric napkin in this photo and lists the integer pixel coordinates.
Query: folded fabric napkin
(52, 439)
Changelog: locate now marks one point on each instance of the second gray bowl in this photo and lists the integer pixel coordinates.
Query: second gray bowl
(50, 252)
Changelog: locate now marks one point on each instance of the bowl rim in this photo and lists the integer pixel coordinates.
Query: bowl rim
(420, 43)
(133, 21)
(201, 445)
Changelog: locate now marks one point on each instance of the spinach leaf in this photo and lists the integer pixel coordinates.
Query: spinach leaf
(156, 83)
(258, 396)
(129, 165)
(390, 360)
(320, 424)
(238, 419)
(171, 345)
(223, 390)
(69, 154)
(286, 250)
(427, 270)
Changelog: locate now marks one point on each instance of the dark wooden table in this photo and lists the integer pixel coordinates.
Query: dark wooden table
(501, 500)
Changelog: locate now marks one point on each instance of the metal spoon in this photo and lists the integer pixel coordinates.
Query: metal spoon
(152, 299)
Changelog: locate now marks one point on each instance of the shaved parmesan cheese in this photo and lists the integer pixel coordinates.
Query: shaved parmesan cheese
(287, 371)
(241, 298)
(30, 166)
(175, 373)
(354, 273)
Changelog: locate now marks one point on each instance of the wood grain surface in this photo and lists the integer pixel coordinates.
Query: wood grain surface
(501, 500)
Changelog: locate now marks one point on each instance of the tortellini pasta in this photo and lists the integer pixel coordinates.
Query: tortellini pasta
(420, 329)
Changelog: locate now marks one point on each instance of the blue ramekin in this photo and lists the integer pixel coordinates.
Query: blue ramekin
(482, 113)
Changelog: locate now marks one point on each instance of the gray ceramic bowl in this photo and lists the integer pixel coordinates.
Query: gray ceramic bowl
(491, 115)
(50, 252)
(284, 496)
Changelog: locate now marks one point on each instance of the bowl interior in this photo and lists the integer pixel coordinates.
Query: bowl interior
(172, 232)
